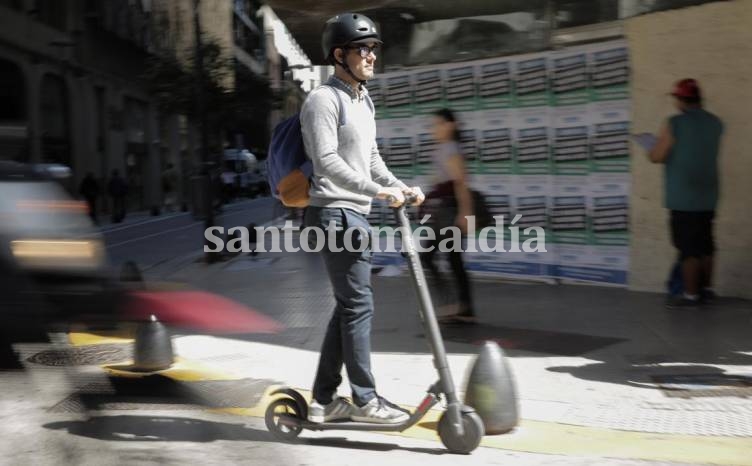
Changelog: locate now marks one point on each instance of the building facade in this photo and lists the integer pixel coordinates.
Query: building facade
(72, 89)
(74, 71)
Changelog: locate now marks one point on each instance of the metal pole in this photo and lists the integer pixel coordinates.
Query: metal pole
(200, 107)
(549, 16)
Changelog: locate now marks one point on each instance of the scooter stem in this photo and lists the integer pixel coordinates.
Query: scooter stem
(427, 314)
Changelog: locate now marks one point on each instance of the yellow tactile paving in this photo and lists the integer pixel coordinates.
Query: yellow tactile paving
(182, 370)
(530, 436)
(562, 439)
(85, 339)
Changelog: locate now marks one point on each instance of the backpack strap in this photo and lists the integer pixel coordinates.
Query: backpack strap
(342, 116)
(370, 104)
(342, 112)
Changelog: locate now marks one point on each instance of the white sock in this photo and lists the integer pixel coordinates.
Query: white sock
(691, 297)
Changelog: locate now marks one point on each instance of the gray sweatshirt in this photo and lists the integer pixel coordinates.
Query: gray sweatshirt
(348, 170)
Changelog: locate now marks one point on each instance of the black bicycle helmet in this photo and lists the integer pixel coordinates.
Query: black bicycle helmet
(346, 28)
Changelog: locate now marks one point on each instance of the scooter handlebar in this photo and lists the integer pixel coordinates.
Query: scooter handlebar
(410, 199)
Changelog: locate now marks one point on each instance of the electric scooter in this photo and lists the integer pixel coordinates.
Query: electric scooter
(460, 428)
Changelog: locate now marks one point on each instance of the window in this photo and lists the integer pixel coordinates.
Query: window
(476, 37)
(12, 92)
(101, 118)
(630, 8)
(53, 13)
(12, 4)
(571, 13)
(55, 117)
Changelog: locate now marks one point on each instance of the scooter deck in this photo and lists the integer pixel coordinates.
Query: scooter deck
(293, 421)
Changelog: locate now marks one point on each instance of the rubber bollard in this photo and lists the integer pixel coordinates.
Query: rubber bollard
(153, 347)
(491, 390)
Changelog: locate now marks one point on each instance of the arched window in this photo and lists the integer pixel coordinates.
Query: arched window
(55, 119)
(14, 142)
(12, 93)
(53, 13)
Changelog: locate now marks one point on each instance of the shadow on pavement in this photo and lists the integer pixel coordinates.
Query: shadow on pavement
(159, 429)
(155, 391)
(341, 442)
(687, 343)
(538, 341)
(129, 428)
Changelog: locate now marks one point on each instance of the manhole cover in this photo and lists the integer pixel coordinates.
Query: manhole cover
(84, 355)
(704, 385)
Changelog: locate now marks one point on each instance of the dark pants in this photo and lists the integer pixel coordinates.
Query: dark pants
(118, 209)
(461, 280)
(348, 335)
(442, 205)
(92, 204)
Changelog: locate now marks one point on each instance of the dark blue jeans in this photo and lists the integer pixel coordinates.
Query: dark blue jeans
(348, 336)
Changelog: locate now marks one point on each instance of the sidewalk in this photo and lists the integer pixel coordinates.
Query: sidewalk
(599, 371)
(105, 222)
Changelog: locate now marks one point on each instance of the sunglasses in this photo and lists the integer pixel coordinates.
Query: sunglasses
(364, 50)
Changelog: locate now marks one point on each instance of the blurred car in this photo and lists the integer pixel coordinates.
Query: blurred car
(244, 169)
(54, 272)
(258, 185)
(52, 257)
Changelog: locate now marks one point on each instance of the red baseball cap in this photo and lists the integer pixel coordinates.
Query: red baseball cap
(687, 88)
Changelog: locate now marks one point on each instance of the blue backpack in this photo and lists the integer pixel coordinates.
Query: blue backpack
(289, 168)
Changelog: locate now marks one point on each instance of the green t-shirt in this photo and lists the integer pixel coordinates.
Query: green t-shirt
(692, 164)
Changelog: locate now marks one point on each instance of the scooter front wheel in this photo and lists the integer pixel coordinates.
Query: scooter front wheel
(469, 441)
(283, 418)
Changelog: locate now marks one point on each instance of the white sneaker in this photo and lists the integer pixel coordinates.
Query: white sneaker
(380, 411)
(339, 409)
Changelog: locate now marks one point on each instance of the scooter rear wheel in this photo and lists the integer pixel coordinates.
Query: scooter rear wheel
(278, 416)
(469, 441)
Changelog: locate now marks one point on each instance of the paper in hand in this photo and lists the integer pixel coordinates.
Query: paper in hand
(646, 140)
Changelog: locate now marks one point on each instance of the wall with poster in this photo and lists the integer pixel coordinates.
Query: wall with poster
(545, 137)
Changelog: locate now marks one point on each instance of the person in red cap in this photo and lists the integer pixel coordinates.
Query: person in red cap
(688, 145)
